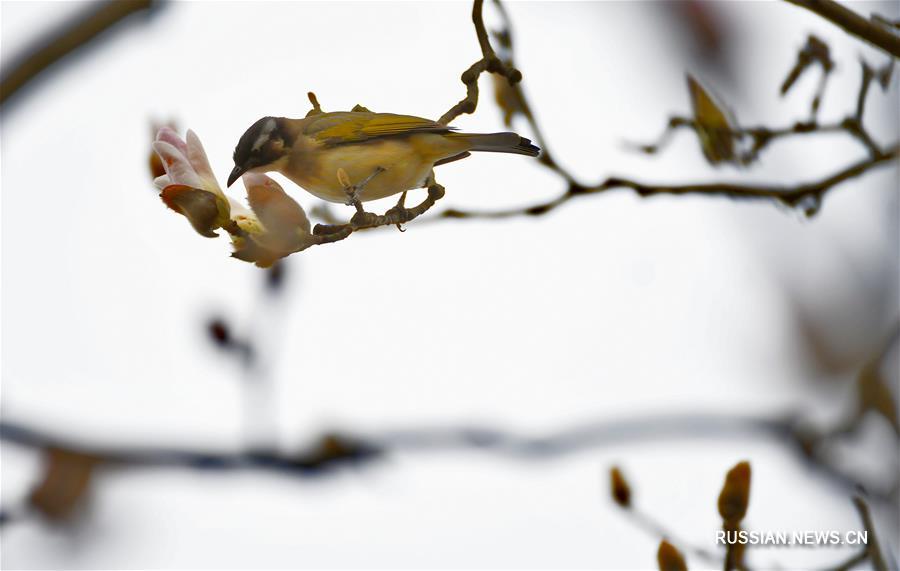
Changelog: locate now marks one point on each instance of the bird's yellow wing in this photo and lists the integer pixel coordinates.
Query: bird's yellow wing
(355, 127)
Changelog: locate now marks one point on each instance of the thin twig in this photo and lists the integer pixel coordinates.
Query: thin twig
(522, 106)
(651, 526)
(489, 62)
(808, 194)
(873, 547)
(853, 24)
(760, 137)
(364, 220)
(815, 51)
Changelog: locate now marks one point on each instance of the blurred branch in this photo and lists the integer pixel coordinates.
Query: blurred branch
(878, 35)
(333, 449)
(873, 549)
(873, 395)
(760, 137)
(75, 34)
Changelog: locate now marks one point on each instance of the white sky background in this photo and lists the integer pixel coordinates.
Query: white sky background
(610, 307)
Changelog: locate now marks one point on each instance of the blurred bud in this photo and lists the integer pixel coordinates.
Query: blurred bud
(334, 448)
(322, 211)
(219, 332)
(621, 491)
(815, 51)
(668, 558)
(276, 276)
(66, 481)
(883, 75)
(703, 27)
(508, 98)
(735, 495)
(713, 126)
(874, 394)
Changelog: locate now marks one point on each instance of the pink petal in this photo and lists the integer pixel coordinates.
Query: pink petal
(177, 166)
(169, 135)
(198, 159)
(162, 182)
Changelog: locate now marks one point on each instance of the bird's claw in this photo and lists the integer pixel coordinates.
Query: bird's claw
(350, 189)
(401, 206)
(353, 198)
(353, 190)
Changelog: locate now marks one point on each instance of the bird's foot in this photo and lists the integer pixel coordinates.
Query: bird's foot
(353, 190)
(350, 189)
(401, 205)
(397, 215)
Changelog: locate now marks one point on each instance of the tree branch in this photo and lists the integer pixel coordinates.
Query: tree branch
(489, 62)
(873, 548)
(58, 44)
(807, 195)
(395, 216)
(335, 449)
(879, 36)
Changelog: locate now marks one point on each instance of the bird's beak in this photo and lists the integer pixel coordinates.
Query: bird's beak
(236, 174)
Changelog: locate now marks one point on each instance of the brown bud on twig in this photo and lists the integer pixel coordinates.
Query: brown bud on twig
(874, 394)
(219, 332)
(735, 495)
(317, 109)
(669, 558)
(714, 124)
(65, 483)
(621, 491)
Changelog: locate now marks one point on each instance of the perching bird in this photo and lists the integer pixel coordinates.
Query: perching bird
(379, 153)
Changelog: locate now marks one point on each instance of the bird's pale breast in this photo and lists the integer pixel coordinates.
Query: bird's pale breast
(407, 162)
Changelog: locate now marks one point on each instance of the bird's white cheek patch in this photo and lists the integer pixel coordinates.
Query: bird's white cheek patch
(264, 135)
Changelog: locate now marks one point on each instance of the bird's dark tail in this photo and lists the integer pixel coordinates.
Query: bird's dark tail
(499, 143)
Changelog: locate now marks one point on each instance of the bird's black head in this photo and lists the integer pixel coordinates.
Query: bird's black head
(262, 144)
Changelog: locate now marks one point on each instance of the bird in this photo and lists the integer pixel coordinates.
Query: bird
(356, 156)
